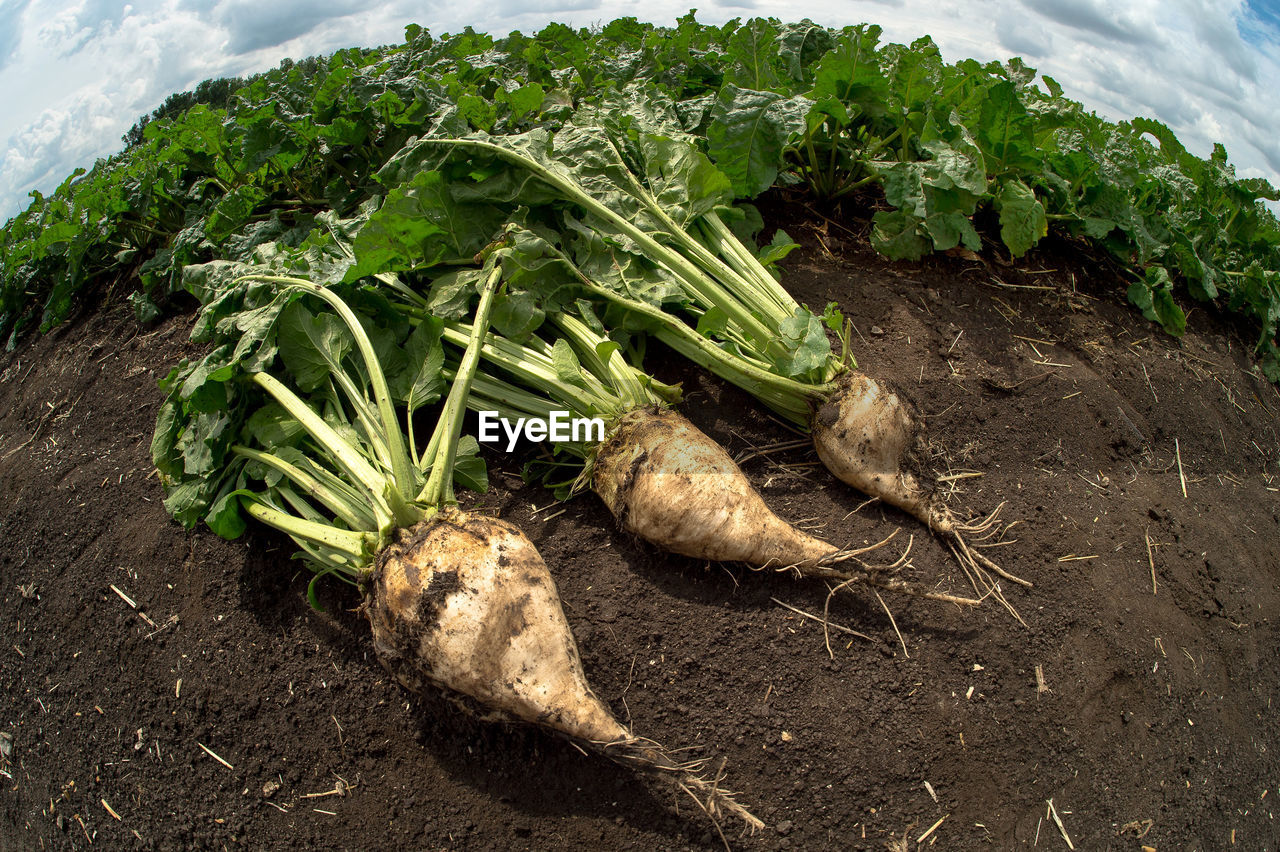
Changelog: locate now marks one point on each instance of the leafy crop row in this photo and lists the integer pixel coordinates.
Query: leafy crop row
(838, 112)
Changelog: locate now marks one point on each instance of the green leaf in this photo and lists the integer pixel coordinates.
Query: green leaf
(956, 162)
(1201, 278)
(826, 109)
(1170, 148)
(479, 113)
(224, 516)
(271, 425)
(1171, 317)
(800, 45)
(186, 502)
(606, 348)
(517, 315)
(778, 248)
(213, 369)
(805, 339)
(753, 50)
(421, 224)
(713, 323)
(950, 229)
(469, 469)
(313, 595)
(916, 74)
(523, 100)
(623, 271)
(312, 345)
(833, 318)
(422, 382)
(1005, 131)
(896, 235)
(1153, 295)
(851, 74)
(144, 310)
(682, 179)
(568, 367)
(748, 133)
(1271, 364)
(450, 294)
(204, 442)
(231, 213)
(937, 196)
(1022, 217)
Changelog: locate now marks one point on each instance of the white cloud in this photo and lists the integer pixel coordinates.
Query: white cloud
(77, 73)
(1021, 37)
(1114, 21)
(11, 28)
(253, 25)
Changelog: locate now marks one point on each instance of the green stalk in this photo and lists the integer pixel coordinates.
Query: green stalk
(356, 545)
(815, 171)
(722, 275)
(300, 506)
(338, 504)
(344, 490)
(786, 396)
(329, 562)
(856, 185)
(869, 152)
(750, 292)
(346, 456)
(532, 367)
(365, 416)
(439, 487)
(750, 268)
(402, 469)
(689, 274)
(510, 401)
(620, 375)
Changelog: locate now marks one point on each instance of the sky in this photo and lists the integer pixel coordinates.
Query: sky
(75, 76)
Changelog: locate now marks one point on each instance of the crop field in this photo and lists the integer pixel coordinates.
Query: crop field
(757, 436)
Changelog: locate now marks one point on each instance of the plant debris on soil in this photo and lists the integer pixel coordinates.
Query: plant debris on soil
(168, 689)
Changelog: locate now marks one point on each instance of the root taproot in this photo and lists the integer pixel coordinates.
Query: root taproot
(668, 483)
(465, 603)
(872, 437)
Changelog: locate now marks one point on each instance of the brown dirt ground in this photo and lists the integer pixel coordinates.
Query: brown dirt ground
(1153, 727)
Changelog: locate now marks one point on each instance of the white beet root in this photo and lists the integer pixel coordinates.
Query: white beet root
(871, 437)
(465, 602)
(668, 483)
(868, 435)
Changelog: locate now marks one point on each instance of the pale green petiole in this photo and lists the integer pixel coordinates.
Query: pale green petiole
(405, 475)
(444, 440)
(708, 290)
(377, 488)
(340, 504)
(358, 545)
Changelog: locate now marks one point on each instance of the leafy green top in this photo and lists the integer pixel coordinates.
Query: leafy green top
(768, 103)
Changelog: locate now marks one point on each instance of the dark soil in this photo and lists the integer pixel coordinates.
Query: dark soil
(1137, 698)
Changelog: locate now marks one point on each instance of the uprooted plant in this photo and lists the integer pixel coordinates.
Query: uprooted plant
(638, 214)
(662, 478)
(455, 599)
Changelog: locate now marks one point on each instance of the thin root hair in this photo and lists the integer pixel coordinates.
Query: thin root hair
(978, 576)
(710, 797)
(846, 568)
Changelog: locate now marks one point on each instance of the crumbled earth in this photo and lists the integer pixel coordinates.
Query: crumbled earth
(166, 689)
